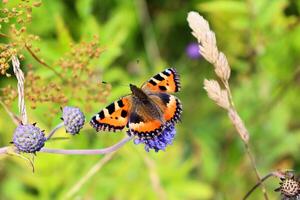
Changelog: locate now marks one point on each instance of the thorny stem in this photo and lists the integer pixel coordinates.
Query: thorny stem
(88, 151)
(42, 62)
(89, 174)
(54, 130)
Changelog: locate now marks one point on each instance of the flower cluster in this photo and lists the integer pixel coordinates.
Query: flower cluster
(159, 142)
(13, 26)
(35, 90)
(28, 138)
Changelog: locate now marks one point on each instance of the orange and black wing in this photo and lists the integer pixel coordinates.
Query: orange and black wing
(170, 106)
(146, 124)
(114, 117)
(165, 81)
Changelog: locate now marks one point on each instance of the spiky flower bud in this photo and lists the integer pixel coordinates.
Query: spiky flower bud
(28, 138)
(73, 119)
(289, 187)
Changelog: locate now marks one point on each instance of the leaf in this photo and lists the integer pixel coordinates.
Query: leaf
(63, 34)
(84, 8)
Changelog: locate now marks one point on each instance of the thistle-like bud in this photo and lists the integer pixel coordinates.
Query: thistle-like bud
(73, 119)
(28, 138)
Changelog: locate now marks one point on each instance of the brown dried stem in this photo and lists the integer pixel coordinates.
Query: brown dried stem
(20, 77)
(222, 97)
(14, 117)
(278, 174)
(3, 35)
(42, 62)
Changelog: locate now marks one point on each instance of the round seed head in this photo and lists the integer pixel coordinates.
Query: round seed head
(289, 187)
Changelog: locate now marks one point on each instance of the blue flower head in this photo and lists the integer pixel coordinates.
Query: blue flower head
(73, 119)
(159, 142)
(28, 138)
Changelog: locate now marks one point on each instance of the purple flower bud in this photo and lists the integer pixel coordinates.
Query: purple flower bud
(159, 142)
(192, 50)
(73, 119)
(28, 138)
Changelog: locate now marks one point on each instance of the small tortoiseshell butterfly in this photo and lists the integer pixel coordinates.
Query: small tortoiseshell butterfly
(147, 111)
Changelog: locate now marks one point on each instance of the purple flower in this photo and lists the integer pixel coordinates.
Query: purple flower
(159, 142)
(73, 119)
(28, 138)
(192, 50)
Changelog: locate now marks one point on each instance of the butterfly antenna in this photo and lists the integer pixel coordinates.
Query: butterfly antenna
(114, 84)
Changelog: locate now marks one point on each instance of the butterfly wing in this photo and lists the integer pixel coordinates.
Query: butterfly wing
(149, 121)
(146, 119)
(114, 117)
(170, 106)
(165, 81)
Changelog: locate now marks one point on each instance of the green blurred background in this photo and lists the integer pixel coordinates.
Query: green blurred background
(138, 39)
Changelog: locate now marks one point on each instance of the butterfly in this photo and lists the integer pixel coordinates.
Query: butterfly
(147, 111)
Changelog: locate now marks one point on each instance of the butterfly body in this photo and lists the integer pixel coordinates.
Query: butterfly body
(144, 105)
(147, 111)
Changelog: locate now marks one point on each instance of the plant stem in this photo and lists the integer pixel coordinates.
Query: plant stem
(150, 42)
(89, 174)
(241, 128)
(54, 130)
(13, 117)
(42, 62)
(3, 150)
(253, 164)
(154, 178)
(277, 174)
(88, 151)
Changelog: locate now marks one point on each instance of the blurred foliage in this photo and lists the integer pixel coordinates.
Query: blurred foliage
(134, 40)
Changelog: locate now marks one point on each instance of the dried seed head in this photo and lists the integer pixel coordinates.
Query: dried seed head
(216, 94)
(289, 188)
(222, 68)
(239, 125)
(208, 45)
